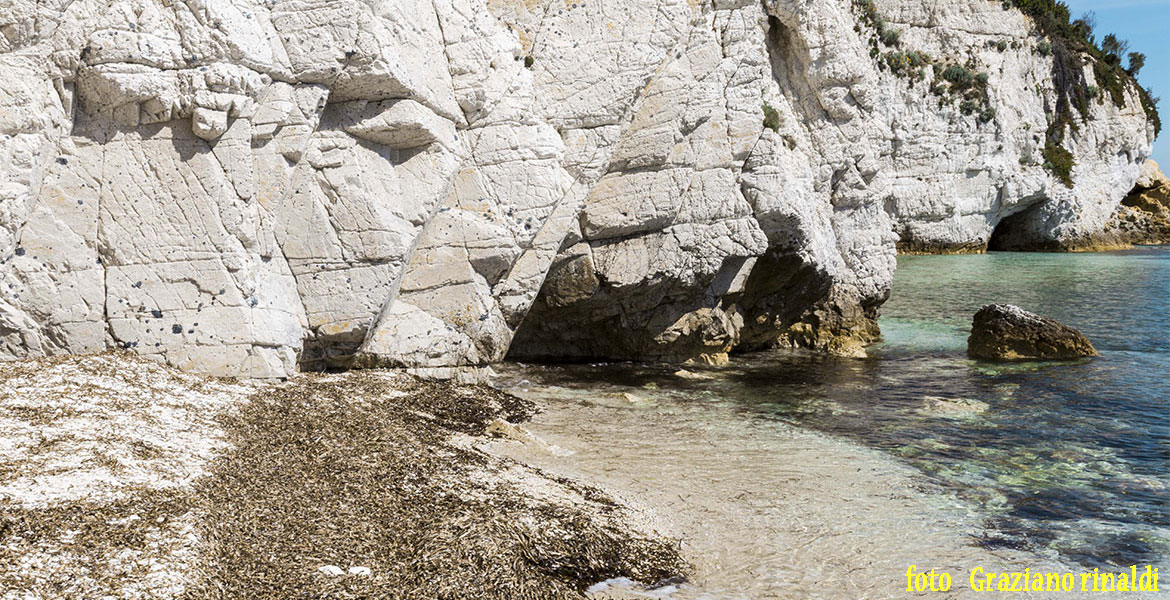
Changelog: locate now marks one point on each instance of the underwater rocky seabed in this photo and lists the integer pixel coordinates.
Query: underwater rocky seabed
(786, 472)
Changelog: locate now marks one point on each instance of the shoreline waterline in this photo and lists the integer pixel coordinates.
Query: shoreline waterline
(764, 508)
(1059, 463)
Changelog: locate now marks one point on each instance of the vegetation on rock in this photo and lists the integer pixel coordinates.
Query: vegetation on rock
(771, 118)
(1059, 161)
(963, 83)
(1071, 43)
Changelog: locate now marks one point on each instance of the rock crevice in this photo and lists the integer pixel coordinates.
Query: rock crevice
(252, 188)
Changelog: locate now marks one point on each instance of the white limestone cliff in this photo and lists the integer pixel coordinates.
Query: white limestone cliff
(248, 187)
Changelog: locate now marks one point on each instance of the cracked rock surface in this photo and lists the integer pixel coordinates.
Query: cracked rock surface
(253, 187)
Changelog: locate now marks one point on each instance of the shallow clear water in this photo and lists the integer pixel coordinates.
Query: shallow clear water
(1071, 459)
(1075, 457)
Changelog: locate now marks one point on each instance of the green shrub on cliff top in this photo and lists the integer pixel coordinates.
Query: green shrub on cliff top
(1137, 60)
(1069, 41)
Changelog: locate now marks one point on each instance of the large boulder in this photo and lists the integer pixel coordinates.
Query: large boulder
(1005, 332)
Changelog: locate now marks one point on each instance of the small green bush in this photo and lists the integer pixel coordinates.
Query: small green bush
(1137, 60)
(967, 87)
(1150, 105)
(1111, 79)
(771, 118)
(1044, 48)
(961, 77)
(1059, 161)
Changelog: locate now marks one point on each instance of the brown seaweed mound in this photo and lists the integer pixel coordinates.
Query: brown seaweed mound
(355, 485)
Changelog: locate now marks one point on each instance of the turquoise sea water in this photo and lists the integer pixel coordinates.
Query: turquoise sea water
(1071, 459)
(1075, 457)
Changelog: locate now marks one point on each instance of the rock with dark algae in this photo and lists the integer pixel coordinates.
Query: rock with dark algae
(1004, 332)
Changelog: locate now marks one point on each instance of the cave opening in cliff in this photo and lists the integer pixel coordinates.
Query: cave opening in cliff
(1008, 234)
(1022, 229)
(998, 235)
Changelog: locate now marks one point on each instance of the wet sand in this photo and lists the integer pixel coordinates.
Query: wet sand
(764, 509)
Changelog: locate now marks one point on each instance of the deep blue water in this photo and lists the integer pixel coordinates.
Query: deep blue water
(1072, 458)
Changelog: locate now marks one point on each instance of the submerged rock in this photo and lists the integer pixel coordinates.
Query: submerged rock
(1006, 332)
(952, 407)
(691, 375)
(635, 399)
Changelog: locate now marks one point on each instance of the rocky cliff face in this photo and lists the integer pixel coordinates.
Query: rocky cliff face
(1144, 215)
(249, 187)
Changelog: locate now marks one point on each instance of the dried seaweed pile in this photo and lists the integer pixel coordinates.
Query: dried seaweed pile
(97, 455)
(359, 485)
(348, 471)
(137, 547)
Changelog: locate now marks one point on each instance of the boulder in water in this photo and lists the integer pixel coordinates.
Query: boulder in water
(1005, 332)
